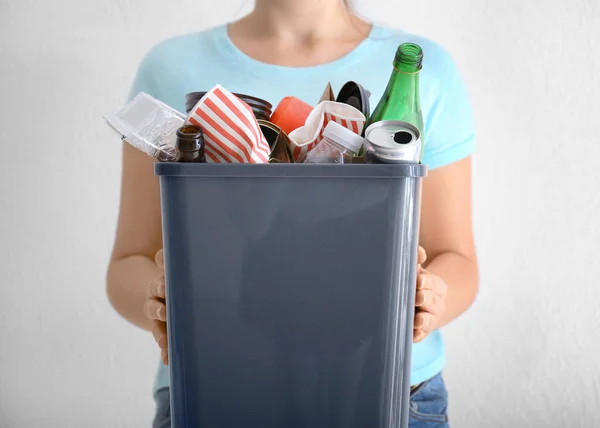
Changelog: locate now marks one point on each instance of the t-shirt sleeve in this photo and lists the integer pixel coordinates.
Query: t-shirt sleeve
(145, 77)
(449, 128)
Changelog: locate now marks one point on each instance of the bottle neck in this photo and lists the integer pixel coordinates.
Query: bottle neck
(189, 144)
(402, 67)
(406, 77)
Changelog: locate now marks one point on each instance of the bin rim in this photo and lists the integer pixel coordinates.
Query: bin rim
(323, 171)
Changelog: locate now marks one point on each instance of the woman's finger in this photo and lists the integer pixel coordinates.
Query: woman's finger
(155, 310)
(425, 299)
(424, 321)
(164, 354)
(160, 334)
(430, 302)
(159, 259)
(421, 255)
(427, 281)
(418, 335)
(156, 289)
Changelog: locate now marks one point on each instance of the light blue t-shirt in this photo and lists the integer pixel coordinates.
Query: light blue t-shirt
(197, 62)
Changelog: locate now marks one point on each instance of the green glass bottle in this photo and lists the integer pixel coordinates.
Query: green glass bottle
(400, 100)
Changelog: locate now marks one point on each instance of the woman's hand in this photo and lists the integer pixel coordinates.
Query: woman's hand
(156, 309)
(430, 300)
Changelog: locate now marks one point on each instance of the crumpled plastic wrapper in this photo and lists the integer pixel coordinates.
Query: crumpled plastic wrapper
(304, 139)
(148, 125)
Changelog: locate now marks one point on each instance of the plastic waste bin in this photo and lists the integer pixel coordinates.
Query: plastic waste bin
(290, 293)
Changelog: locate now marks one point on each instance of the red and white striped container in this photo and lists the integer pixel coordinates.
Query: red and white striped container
(231, 132)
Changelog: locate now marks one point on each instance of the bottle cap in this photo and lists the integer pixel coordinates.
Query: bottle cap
(355, 95)
(343, 136)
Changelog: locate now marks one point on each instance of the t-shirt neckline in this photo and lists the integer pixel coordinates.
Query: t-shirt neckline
(226, 47)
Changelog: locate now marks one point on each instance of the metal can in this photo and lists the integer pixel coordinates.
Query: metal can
(278, 141)
(392, 141)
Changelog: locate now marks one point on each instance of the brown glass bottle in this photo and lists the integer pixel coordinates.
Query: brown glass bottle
(190, 144)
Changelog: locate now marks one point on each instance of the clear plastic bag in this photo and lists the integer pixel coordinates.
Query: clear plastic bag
(148, 125)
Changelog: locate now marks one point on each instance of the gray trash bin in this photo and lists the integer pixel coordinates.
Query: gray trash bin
(290, 293)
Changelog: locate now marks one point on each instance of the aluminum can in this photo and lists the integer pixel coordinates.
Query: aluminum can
(392, 141)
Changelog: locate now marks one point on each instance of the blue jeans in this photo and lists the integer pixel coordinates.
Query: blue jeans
(428, 406)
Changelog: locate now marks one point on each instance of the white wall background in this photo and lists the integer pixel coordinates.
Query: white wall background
(525, 356)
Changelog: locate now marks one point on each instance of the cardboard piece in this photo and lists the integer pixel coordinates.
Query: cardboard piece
(327, 94)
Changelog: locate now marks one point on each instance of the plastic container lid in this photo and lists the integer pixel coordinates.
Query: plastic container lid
(355, 95)
(343, 136)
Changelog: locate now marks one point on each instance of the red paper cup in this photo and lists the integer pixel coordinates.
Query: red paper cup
(291, 114)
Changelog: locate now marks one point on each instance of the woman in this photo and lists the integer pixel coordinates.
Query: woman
(290, 47)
